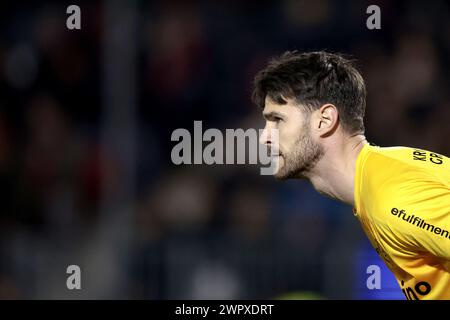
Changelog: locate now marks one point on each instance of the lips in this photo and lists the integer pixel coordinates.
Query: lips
(274, 152)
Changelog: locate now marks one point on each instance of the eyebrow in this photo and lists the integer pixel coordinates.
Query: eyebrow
(272, 114)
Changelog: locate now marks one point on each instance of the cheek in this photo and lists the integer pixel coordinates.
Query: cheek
(289, 134)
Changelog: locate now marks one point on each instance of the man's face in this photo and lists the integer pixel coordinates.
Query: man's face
(297, 151)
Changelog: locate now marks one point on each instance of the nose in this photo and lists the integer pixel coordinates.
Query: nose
(270, 138)
(265, 137)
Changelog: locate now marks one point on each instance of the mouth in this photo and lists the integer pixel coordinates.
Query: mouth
(274, 152)
(278, 161)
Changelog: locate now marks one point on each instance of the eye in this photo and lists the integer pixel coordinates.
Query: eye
(278, 119)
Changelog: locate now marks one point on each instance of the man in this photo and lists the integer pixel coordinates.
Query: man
(400, 195)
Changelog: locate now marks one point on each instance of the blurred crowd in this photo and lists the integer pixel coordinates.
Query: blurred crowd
(216, 232)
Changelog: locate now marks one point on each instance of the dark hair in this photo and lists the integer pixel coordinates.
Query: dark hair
(313, 79)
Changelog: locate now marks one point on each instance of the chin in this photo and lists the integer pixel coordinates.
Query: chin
(278, 176)
(281, 174)
(281, 178)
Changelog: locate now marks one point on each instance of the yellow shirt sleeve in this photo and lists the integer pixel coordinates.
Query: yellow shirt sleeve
(402, 199)
(419, 216)
(415, 193)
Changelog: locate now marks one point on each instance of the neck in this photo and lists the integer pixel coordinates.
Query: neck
(334, 174)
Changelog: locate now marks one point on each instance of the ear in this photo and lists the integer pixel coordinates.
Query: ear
(326, 120)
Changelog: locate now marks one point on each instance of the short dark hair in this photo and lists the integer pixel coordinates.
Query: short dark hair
(313, 79)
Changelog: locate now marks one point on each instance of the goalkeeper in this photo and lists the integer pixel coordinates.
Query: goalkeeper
(400, 195)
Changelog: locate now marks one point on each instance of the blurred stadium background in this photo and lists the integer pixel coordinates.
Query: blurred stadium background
(86, 118)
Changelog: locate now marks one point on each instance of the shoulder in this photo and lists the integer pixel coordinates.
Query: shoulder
(406, 196)
(411, 157)
(394, 177)
(385, 166)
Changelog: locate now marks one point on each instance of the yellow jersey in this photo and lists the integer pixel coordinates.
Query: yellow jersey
(402, 199)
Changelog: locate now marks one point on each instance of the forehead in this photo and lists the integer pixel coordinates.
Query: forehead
(289, 108)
